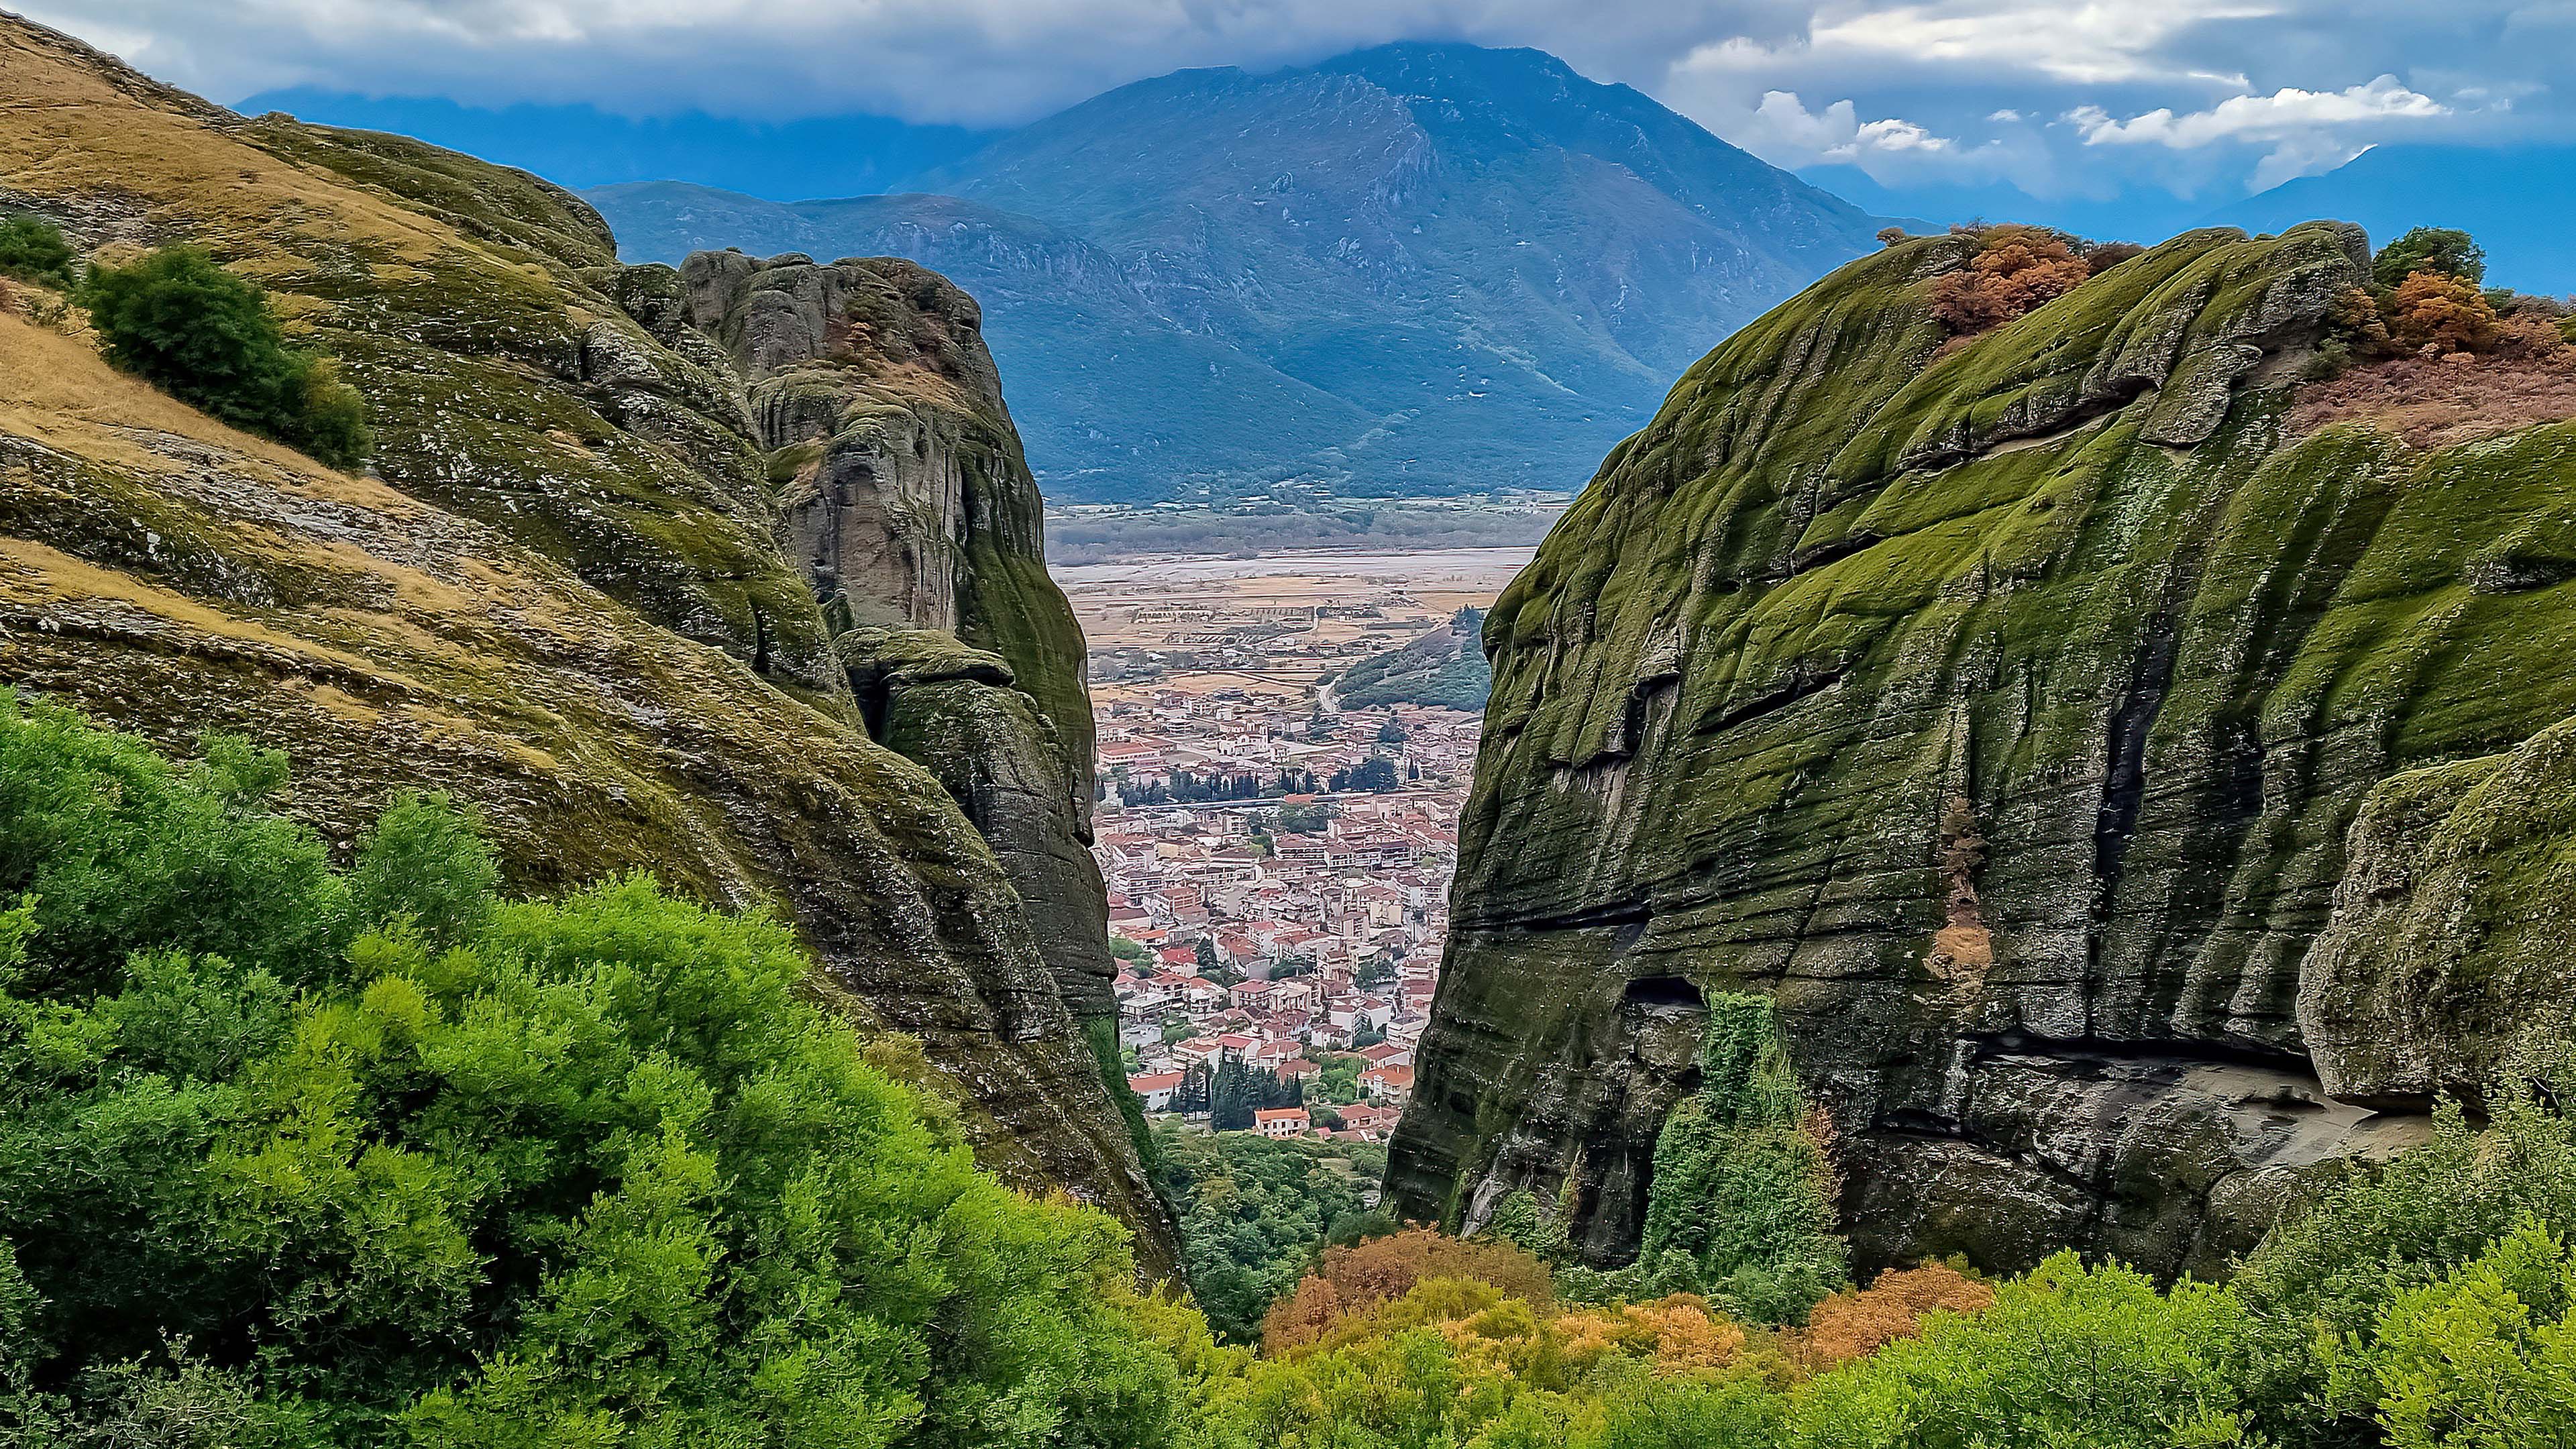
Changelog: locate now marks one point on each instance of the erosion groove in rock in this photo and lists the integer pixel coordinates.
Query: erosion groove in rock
(563, 594)
(2083, 764)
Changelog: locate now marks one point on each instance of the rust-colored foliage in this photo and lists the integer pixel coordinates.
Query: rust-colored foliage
(2015, 270)
(1679, 1334)
(2435, 313)
(1359, 1278)
(1858, 1322)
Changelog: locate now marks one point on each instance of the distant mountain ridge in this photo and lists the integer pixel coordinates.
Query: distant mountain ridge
(2513, 202)
(581, 146)
(1415, 269)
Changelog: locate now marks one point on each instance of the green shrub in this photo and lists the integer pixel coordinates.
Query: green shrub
(2487, 1355)
(2446, 250)
(2319, 1283)
(1254, 1213)
(588, 1171)
(2070, 1357)
(178, 320)
(33, 249)
(118, 850)
(1740, 1204)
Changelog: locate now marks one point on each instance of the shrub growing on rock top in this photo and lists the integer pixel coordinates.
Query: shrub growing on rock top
(2441, 312)
(2441, 249)
(178, 320)
(2016, 268)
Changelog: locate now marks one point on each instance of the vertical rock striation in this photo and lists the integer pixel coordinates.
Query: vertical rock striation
(2084, 765)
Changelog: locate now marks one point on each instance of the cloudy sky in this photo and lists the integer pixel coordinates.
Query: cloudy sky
(2059, 98)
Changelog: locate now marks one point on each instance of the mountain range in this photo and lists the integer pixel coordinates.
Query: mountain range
(1419, 269)
(2513, 202)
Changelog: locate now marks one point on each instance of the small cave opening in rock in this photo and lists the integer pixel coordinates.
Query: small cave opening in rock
(1673, 991)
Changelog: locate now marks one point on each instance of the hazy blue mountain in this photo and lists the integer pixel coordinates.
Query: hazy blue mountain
(580, 146)
(1111, 398)
(1418, 268)
(2515, 202)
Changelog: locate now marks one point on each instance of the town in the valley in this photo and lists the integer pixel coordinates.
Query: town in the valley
(1277, 862)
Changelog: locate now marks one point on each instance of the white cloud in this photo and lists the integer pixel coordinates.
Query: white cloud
(2174, 94)
(2288, 113)
(1893, 150)
(2303, 132)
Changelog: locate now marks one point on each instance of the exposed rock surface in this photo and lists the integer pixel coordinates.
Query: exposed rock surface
(906, 501)
(2077, 759)
(563, 598)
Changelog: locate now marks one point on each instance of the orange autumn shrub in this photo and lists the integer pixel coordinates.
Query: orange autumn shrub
(1858, 1322)
(1679, 1334)
(2430, 311)
(1356, 1279)
(2015, 270)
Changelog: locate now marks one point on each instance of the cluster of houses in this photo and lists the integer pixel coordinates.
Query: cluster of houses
(1282, 931)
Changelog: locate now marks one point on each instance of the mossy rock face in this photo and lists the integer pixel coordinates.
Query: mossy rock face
(904, 497)
(2005, 710)
(563, 600)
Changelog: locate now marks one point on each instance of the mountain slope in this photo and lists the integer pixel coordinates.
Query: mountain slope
(1442, 666)
(582, 146)
(1102, 378)
(2514, 202)
(2118, 794)
(563, 593)
(1414, 268)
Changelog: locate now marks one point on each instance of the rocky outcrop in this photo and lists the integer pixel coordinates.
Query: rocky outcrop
(560, 594)
(905, 500)
(2084, 765)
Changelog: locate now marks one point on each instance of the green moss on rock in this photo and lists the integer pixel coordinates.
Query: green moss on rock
(2070, 576)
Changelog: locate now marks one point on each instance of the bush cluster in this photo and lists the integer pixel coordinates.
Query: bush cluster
(2424, 300)
(33, 249)
(2426, 1303)
(2014, 271)
(293, 1155)
(185, 324)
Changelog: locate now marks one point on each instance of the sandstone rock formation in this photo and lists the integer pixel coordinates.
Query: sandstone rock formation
(905, 500)
(562, 594)
(2119, 797)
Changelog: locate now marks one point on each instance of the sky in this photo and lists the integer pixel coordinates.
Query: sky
(2204, 101)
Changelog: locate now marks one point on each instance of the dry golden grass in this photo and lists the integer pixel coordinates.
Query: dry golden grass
(2435, 403)
(76, 124)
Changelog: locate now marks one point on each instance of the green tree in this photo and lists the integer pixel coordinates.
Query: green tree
(1739, 1205)
(1253, 1214)
(33, 249)
(180, 321)
(2070, 1357)
(2446, 250)
(2322, 1280)
(2486, 1356)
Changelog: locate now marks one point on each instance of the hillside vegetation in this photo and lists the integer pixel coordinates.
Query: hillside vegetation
(1444, 667)
(562, 589)
(297, 1154)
